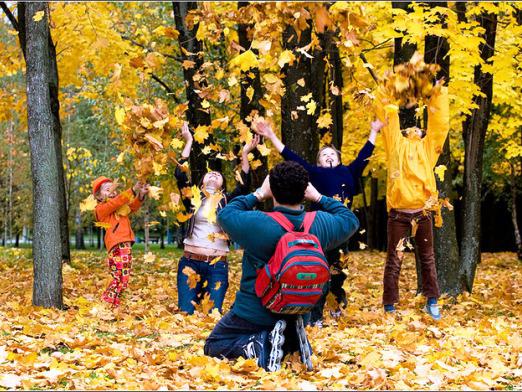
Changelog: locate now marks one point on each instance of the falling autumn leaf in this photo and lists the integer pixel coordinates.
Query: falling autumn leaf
(38, 16)
(88, 204)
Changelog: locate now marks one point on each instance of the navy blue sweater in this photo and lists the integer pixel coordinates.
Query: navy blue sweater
(259, 234)
(338, 181)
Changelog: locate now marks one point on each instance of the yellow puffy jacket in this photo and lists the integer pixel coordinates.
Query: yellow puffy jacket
(411, 160)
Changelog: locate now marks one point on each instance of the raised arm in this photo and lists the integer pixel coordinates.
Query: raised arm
(182, 171)
(135, 204)
(263, 128)
(389, 115)
(359, 164)
(104, 209)
(243, 186)
(438, 124)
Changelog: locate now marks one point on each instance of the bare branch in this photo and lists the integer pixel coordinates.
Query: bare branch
(9, 15)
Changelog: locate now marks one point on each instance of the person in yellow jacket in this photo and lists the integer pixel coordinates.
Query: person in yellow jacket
(411, 190)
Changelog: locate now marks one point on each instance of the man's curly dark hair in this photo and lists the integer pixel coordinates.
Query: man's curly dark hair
(288, 182)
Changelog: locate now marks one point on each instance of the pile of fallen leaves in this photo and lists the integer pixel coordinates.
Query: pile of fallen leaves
(411, 82)
(150, 345)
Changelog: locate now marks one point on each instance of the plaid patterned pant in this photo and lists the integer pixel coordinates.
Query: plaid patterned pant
(119, 260)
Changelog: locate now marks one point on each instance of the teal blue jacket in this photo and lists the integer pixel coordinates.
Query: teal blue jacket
(258, 235)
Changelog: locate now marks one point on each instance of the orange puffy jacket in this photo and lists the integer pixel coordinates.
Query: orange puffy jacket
(114, 214)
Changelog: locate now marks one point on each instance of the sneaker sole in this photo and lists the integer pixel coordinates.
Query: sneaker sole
(306, 354)
(431, 314)
(277, 340)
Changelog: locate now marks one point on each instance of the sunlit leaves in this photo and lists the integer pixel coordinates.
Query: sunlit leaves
(88, 204)
(245, 61)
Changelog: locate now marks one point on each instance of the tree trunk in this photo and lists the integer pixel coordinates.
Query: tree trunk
(298, 129)
(57, 127)
(17, 239)
(445, 238)
(192, 50)
(47, 249)
(514, 212)
(336, 101)
(474, 131)
(250, 106)
(80, 243)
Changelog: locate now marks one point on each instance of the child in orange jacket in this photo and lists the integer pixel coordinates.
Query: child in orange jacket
(411, 156)
(112, 211)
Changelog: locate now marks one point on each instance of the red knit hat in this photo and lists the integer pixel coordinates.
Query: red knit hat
(96, 184)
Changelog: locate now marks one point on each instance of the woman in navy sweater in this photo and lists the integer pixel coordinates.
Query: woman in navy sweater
(333, 179)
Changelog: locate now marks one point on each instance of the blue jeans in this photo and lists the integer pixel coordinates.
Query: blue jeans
(215, 275)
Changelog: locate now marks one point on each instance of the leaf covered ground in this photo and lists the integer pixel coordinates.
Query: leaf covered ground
(149, 345)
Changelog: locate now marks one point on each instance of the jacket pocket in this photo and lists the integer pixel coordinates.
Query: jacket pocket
(115, 227)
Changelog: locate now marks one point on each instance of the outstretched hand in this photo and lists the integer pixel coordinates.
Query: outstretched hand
(185, 132)
(262, 127)
(249, 147)
(376, 125)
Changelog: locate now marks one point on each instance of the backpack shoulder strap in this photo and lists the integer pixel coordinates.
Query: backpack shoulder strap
(308, 221)
(282, 220)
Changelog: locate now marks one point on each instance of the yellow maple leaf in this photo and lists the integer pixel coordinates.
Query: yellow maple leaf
(310, 107)
(149, 257)
(439, 171)
(325, 120)
(211, 205)
(286, 57)
(196, 198)
(88, 204)
(181, 217)
(176, 143)
(250, 93)
(201, 133)
(193, 277)
(119, 114)
(244, 61)
(263, 149)
(103, 225)
(38, 16)
(155, 192)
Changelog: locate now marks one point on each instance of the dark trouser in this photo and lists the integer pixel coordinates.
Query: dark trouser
(215, 276)
(231, 335)
(335, 286)
(399, 227)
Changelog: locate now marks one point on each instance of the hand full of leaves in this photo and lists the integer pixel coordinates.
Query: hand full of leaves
(411, 82)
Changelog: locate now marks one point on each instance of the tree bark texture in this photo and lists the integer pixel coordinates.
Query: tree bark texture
(47, 245)
(474, 131)
(250, 106)
(192, 50)
(20, 25)
(298, 129)
(445, 238)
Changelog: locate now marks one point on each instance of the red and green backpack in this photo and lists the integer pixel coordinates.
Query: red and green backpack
(292, 281)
